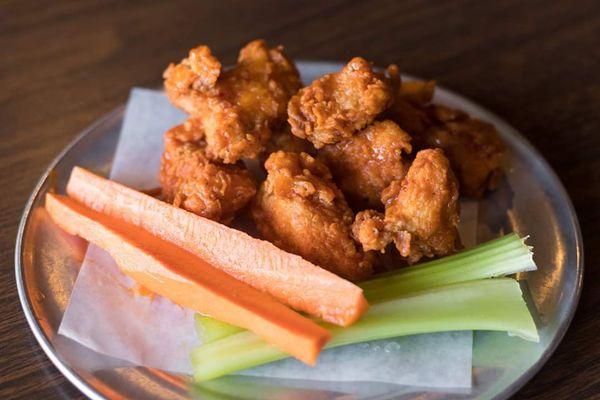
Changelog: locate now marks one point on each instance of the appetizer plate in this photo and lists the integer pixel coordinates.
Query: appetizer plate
(531, 200)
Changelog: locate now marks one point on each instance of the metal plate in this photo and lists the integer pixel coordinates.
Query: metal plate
(531, 200)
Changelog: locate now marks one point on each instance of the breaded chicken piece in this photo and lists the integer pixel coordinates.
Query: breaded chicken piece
(300, 210)
(423, 210)
(335, 106)
(421, 213)
(368, 162)
(239, 107)
(415, 91)
(411, 117)
(473, 147)
(409, 99)
(191, 181)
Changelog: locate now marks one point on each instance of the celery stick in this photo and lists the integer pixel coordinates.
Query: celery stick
(499, 257)
(209, 329)
(503, 256)
(490, 304)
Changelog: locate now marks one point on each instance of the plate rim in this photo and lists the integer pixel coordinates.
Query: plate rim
(78, 381)
(81, 383)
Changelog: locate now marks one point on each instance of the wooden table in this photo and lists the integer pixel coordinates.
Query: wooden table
(536, 63)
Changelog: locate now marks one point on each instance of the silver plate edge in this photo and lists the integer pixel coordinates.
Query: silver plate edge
(41, 338)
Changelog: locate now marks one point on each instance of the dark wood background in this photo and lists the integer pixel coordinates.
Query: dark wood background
(536, 63)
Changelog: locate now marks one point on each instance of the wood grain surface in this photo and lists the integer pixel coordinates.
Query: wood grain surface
(535, 63)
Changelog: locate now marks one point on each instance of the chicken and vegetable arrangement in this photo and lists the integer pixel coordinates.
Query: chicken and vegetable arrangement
(357, 162)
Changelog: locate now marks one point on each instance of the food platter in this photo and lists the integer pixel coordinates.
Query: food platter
(530, 200)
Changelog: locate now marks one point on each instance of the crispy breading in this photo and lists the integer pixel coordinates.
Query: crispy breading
(302, 211)
(282, 139)
(335, 106)
(367, 163)
(238, 107)
(369, 229)
(417, 92)
(421, 213)
(409, 101)
(191, 181)
(413, 118)
(473, 147)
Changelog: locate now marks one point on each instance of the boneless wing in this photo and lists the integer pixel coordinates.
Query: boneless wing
(191, 181)
(301, 210)
(409, 101)
(368, 162)
(473, 147)
(421, 213)
(335, 106)
(238, 107)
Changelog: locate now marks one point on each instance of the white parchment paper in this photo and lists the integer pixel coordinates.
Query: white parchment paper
(105, 315)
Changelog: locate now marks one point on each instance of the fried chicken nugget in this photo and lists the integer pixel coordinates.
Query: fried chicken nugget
(473, 147)
(191, 181)
(409, 101)
(335, 106)
(368, 162)
(239, 107)
(421, 214)
(300, 210)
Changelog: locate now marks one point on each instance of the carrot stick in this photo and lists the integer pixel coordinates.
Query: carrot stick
(189, 281)
(289, 278)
